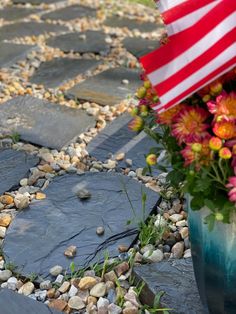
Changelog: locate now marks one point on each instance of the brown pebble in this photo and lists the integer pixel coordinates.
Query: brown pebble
(5, 220)
(70, 251)
(92, 300)
(121, 268)
(40, 196)
(58, 304)
(51, 293)
(6, 199)
(123, 248)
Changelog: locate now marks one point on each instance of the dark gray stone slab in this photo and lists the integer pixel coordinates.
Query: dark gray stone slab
(14, 166)
(43, 123)
(11, 53)
(15, 13)
(70, 13)
(131, 24)
(107, 88)
(176, 279)
(34, 2)
(117, 138)
(22, 29)
(14, 303)
(56, 72)
(140, 46)
(93, 42)
(37, 238)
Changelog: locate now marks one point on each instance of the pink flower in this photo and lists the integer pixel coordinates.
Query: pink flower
(232, 192)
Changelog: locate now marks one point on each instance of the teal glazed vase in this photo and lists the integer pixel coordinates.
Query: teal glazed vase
(214, 261)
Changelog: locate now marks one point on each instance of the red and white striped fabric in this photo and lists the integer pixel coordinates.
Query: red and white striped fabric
(195, 55)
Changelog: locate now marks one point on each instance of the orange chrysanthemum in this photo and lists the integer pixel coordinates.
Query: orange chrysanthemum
(224, 129)
(203, 157)
(189, 125)
(168, 116)
(225, 105)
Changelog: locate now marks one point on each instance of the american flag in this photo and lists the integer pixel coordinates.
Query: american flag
(201, 47)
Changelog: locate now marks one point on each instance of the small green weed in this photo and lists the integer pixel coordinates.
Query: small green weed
(156, 305)
(10, 266)
(15, 137)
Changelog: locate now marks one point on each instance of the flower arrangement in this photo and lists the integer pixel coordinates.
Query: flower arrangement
(199, 138)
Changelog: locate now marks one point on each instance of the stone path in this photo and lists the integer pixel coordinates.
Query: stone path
(66, 72)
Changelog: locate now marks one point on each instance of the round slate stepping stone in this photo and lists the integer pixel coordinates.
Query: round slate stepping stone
(70, 13)
(43, 123)
(56, 72)
(14, 166)
(107, 88)
(90, 41)
(38, 237)
(23, 29)
(15, 13)
(11, 53)
(176, 279)
(15, 303)
(140, 46)
(131, 24)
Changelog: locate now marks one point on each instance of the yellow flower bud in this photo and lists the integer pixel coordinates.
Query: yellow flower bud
(151, 159)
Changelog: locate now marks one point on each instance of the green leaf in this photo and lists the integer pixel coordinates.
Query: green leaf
(209, 204)
(210, 221)
(197, 202)
(157, 299)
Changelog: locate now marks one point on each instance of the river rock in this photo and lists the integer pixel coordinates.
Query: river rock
(99, 290)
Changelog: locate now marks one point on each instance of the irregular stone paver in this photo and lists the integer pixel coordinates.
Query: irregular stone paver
(48, 227)
(14, 165)
(56, 72)
(10, 53)
(15, 13)
(131, 24)
(35, 2)
(70, 13)
(43, 123)
(117, 138)
(176, 279)
(14, 303)
(22, 29)
(89, 41)
(107, 88)
(140, 46)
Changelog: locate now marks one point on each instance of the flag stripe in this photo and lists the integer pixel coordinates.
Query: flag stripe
(188, 38)
(186, 71)
(189, 20)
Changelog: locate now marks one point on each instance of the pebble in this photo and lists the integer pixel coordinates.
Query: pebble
(3, 232)
(73, 291)
(21, 201)
(76, 303)
(58, 304)
(5, 275)
(176, 217)
(123, 248)
(184, 232)
(24, 182)
(147, 248)
(111, 296)
(59, 279)
(87, 283)
(129, 162)
(45, 285)
(70, 251)
(56, 270)
(41, 295)
(121, 268)
(181, 223)
(100, 231)
(178, 250)
(120, 156)
(27, 288)
(40, 196)
(47, 157)
(160, 221)
(6, 199)
(64, 287)
(92, 300)
(154, 256)
(12, 283)
(2, 264)
(99, 290)
(83, 194)
(187, 253)
(114, 309)
(102, 305)
(110, 276)
(5, 220)
(130, 310)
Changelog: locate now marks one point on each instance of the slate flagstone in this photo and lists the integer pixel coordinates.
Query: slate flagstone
(15, 303)
(23, 29)
(11, 53)
(176, 279)
(70, 13)
(140, 46)
(42, 123)
(14, 13)
(57, 71)
(48, 227)
(89, 41)
(14, 165)
(107, 88)
(131, 24)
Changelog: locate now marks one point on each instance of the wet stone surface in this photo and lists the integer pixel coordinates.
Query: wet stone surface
(14, 13)
(90, 41)
(43, 123)
(131, 24)
(176, 279)
(14, 165)
(140, 46)
(117, 138)
(70, 13)
(56, 72)
(14, 303)
(10, 53)
(107, 88)
(17, 30)
(50, 226)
